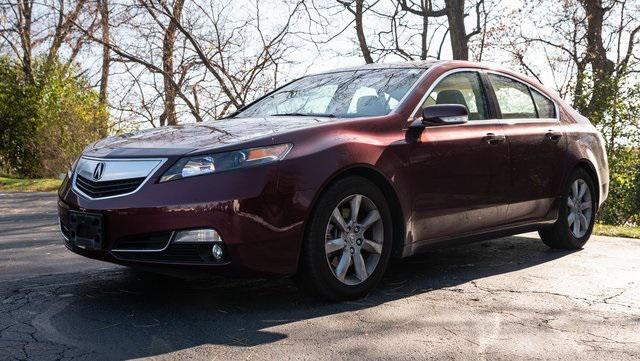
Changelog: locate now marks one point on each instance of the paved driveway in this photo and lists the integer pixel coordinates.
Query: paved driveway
(504, 299)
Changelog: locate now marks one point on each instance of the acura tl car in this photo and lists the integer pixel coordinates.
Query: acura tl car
(329, 176)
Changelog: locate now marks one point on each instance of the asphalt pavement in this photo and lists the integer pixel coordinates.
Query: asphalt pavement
(505, 299)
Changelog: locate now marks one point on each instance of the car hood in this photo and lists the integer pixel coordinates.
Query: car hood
(183, 139)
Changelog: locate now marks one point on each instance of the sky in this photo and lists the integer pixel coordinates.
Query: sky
(342, 50)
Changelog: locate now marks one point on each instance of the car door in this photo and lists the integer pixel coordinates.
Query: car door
(459, 172)
(536, 147)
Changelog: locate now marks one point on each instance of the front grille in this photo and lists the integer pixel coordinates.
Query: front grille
(145, 242)
(176, 253)
(107, 188)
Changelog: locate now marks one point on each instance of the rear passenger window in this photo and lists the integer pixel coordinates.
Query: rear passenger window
(514, 99)
(545, 107)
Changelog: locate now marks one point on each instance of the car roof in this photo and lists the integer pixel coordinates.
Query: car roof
(420, 64)
(426, 64)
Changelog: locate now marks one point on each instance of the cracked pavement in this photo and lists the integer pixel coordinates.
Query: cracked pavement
(510, 298)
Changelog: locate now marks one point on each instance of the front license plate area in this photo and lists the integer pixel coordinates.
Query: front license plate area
(86, 230)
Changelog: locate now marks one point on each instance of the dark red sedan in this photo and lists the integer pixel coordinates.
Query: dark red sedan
(331, 175)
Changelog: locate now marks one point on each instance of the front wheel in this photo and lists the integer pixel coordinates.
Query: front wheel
(348, 244)
(576, 215)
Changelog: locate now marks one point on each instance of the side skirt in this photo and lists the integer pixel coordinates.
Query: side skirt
(498, 232)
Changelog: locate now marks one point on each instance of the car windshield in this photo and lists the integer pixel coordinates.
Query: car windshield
(351, 94)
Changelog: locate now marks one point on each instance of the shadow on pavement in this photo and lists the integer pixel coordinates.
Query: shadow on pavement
(132, 314)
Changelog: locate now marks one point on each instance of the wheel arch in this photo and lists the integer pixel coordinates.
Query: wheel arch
(388, 190)
(588, 167)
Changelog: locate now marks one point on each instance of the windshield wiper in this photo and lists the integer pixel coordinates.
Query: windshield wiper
(329, 115)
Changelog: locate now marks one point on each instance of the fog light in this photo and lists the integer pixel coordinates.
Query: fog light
(197, 236)
(217, 252)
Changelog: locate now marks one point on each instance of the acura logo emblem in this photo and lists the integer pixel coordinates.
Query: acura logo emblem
(97, 172)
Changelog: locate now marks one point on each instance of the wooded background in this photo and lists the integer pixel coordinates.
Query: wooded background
(73, 71)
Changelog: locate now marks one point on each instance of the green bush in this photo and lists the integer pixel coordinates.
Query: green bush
(46, 123)
(18, 120)
(623, 204)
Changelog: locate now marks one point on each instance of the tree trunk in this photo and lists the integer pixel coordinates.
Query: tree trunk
(24, 28)
(604, 86)
(366, 53)
(579, 101)
(104, 25)
(596, 51)
(423, 36)
(168, 117)
(63, 28)
(457, 32)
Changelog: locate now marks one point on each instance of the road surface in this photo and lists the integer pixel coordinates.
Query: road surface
(510, 298)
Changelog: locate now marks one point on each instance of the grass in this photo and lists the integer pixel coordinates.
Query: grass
(29, 185)
(617, 231)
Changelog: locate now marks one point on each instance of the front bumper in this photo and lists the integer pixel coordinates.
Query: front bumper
(261, 225)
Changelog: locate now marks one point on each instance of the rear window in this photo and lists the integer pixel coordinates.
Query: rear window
(545, 107)
(514, 98)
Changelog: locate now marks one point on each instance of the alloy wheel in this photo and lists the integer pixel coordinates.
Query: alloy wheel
(579, 208)
(353, 239)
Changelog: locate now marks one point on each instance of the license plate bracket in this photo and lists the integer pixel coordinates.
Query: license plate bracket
(86, 230)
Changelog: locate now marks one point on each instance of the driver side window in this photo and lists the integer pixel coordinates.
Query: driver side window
(462, 88)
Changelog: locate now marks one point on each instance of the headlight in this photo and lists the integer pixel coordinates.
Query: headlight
(220, 162)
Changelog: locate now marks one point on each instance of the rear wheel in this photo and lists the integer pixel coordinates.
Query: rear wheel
(576, 215)
(348, 244)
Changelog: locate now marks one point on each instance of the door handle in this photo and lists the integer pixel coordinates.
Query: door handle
(494, 139)
(554, 136)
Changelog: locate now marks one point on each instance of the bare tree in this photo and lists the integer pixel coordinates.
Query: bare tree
(44, 29)
(357, 9)
(607, 73)
(199, 58)
(425, 10)
(103, 6)
(63, 26)
(395, 38)
(159, 61)
(360, 31)
(458, 35)
(170, 92)
(592, 46)
(23, 28)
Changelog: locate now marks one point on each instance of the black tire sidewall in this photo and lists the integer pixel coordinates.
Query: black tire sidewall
(318, 267)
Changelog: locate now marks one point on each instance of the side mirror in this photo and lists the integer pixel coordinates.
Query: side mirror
(434, 115)
(443, 114)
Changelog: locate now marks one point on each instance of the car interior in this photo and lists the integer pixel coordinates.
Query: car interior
(370, 105)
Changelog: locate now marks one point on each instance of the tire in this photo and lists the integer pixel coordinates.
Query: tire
(562, 234)
(320, 267)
